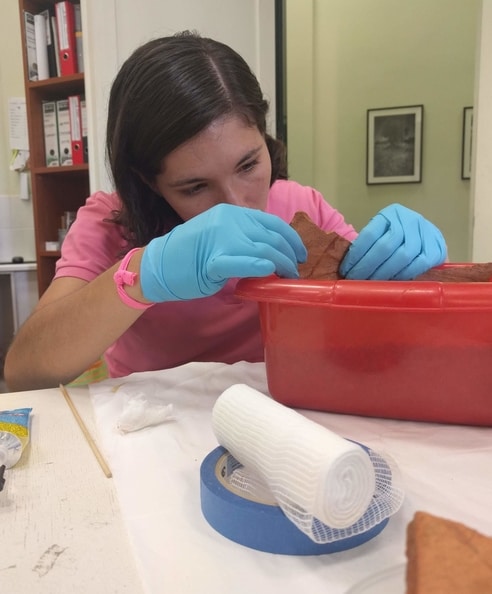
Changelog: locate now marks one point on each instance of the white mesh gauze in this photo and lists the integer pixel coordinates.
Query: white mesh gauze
(328, 486)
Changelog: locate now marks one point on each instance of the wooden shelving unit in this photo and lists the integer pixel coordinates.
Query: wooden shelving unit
(54, 189)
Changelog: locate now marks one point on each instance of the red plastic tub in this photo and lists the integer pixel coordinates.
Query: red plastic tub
(415, 350)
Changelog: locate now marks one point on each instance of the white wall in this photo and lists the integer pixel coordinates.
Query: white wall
(344, 59)
(116, 27)
(16, 220)
(481, 204)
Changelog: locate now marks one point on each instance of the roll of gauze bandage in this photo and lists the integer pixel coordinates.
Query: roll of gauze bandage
(311, 471)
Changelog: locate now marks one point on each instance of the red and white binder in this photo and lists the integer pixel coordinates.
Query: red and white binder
(67, 48)
(76, 129)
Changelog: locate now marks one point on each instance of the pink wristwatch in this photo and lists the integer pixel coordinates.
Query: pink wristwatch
(123, 277)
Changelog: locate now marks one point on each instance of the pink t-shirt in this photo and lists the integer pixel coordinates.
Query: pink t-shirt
(218, 328)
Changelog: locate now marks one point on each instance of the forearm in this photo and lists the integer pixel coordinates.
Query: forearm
(66, 334)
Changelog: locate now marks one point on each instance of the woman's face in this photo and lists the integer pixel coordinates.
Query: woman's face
(226, 163)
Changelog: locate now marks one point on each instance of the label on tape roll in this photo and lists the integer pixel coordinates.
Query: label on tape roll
(255, 524)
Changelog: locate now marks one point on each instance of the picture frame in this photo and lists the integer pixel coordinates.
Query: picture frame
(394, 145)
(467, 143)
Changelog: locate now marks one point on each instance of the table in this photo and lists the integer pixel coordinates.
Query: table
(143, 530)
(61, 528)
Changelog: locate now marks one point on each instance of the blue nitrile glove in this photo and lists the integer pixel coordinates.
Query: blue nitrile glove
(397, 244)
(198, 257)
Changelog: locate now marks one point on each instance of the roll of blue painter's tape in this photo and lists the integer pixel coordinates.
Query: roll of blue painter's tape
(255, 524)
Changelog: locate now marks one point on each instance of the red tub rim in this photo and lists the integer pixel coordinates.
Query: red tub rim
(370, 294)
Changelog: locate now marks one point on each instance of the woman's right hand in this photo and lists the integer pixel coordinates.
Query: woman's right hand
(198, 257)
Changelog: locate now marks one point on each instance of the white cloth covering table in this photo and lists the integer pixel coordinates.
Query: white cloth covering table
(446, 470)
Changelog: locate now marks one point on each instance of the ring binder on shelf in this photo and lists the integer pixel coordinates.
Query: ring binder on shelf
(76, 129)
(67, 46)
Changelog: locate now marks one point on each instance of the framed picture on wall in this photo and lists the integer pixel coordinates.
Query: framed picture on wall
(466, 147)
(394, 145)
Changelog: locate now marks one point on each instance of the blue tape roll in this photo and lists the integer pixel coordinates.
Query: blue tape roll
(257, 525)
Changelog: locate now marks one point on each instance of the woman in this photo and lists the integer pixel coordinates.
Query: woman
(147, 273)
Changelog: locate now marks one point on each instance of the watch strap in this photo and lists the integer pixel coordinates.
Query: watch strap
(124, 277)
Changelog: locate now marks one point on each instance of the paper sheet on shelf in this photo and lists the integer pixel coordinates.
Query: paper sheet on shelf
(445, 470)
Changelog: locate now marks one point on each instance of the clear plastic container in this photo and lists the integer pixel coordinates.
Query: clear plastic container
(10, 449)
(14, 435)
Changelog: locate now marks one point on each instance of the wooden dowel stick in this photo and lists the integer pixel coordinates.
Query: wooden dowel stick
(102, 462)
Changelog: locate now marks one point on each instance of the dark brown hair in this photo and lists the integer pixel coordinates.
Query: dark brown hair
(169, 90)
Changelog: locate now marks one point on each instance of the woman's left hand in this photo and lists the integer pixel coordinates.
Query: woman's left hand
(396, 244)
